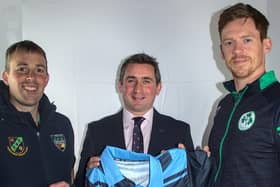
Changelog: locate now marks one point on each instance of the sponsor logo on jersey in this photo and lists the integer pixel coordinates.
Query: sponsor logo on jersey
(16, 146)
(246, 121)
(59, 141)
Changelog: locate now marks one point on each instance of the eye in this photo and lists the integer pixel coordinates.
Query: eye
(227, 43)
(147, 81)
(41, 70)
(247, 40)
(22, 69)
(130, 81)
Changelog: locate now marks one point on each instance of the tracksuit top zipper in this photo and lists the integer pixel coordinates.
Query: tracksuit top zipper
(238, 99)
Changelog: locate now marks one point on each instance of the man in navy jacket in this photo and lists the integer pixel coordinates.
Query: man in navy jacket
(36, 142)
(139, 84)
(245, 138)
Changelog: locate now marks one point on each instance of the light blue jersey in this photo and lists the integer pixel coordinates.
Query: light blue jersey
(124, 168)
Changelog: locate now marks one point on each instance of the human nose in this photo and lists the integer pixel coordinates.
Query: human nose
(138, 86)
(238, 47)
(30, 75)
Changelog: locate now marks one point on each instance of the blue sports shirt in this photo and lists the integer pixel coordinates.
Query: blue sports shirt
(124, 168)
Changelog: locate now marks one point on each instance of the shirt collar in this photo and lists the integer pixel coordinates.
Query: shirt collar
(128, 117)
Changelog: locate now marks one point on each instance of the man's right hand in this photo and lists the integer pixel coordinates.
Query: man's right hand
(93, 162)
(207, 150)
(60, 184)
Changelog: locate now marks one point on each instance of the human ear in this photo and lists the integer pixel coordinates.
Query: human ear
(5, 77)
(267, 45)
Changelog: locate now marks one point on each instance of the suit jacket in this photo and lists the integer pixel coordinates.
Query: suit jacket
(166, 133)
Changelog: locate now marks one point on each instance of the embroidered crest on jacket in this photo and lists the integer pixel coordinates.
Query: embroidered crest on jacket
(16, 146)
(246, 121)
(59, 141)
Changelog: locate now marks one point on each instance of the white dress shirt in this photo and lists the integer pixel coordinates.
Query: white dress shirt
(146, 128)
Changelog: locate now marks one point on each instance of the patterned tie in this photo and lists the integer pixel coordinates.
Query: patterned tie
(137, 141)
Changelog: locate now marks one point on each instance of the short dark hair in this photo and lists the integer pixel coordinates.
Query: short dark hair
(23, 46)
(241, 10)
(140, 58)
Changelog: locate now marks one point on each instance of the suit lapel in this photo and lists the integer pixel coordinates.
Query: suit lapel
(157, 134)
(118, 131)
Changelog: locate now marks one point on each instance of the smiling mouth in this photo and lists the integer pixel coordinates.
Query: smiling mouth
(30, 88)
(239, 59)
(138, 98)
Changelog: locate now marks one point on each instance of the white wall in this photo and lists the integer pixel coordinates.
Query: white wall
(274, 30)
(86, 40)
(10, 26)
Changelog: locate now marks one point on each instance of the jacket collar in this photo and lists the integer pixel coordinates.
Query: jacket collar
(258, 85)
(45, 107)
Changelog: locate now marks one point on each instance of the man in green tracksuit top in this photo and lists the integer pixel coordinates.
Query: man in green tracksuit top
(245, 139)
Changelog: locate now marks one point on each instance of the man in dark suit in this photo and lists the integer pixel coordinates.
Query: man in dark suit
(139, 84)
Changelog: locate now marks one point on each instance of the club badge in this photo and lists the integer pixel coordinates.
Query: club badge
(59, 141)
(16, 146)
(246, 121)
